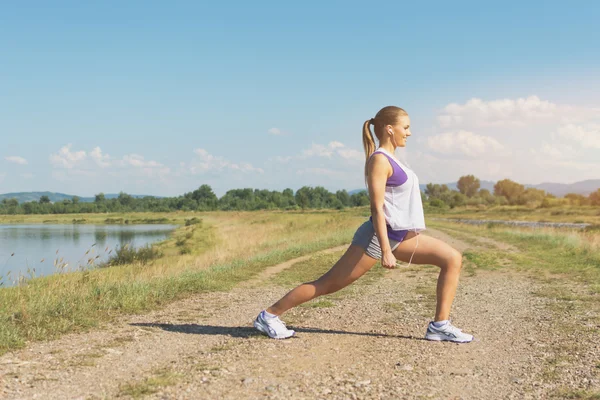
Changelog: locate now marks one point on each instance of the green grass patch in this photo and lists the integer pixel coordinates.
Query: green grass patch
(319, 304)
(160, 378)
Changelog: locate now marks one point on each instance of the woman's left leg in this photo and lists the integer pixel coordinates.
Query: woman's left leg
(353, 264)
(433, 251)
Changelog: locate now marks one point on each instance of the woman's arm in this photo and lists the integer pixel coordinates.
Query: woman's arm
(379, 170)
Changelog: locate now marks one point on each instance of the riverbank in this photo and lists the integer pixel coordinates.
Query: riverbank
(226, 248)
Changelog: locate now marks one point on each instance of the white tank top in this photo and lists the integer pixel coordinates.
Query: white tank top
(403, 208)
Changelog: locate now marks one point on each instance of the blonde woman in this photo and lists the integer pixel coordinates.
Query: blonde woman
(391, 234)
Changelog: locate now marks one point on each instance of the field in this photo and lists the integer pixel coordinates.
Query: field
(180, 325)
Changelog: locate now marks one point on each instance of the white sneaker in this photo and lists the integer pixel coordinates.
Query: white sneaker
(447, 332)
(273, 327)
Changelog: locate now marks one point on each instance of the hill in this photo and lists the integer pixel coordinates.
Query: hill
(23, 197)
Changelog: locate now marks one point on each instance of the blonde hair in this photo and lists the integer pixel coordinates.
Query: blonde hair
(389, 115)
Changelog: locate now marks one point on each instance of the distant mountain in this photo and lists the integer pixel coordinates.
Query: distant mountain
(557, 189)
(24, 197)
(561, 189)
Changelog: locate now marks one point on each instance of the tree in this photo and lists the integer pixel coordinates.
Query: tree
(595, 198)
(468, 185)
(44, 200)
(75, 199)
(125, 199)
(206, 198)
(343, 197)
(303, 197)
(486, 196)
(509, 189)
(99, 198)
(435, 191)
(531, 196)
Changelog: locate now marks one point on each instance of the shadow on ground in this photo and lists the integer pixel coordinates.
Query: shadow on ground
(247, 332)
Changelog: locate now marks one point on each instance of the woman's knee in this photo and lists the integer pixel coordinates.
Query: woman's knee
(453, 261)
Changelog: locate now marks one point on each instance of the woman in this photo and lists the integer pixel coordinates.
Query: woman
(392, 233)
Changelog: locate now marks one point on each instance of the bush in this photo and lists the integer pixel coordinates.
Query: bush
(193, 221)
(437, 203)
(129, 255)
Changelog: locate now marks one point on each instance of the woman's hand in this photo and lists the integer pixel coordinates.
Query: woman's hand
(388, 260)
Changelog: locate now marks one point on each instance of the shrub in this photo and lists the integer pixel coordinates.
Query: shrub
(129, 255)
(437, 203)
(193, 221)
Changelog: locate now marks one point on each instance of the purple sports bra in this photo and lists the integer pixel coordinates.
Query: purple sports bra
(398, 175)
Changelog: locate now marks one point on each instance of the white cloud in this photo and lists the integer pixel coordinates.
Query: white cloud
(102, 160)
(16, 160)
(555, 151)
(135, 160)
(318, 150)
(208, 162)
(65, 158)
(275, 131)
(510, 112)
(321, 172)
(334, 148)
(463, 143)
(586, 136)
(95, 163)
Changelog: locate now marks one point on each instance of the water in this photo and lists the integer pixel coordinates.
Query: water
(44, 247)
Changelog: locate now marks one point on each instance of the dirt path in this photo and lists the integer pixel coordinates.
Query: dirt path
(367, 345)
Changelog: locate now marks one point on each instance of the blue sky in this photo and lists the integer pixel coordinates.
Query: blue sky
(161, 97)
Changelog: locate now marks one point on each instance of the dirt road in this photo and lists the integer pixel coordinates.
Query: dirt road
(367, 344)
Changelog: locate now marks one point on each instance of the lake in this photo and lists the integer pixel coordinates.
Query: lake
(47, 247)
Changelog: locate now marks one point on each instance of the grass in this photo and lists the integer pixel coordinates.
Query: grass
(150, 385)
(226, 248)
(573, 214)
(567, 253)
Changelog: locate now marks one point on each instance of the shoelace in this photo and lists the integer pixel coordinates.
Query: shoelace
(453, 329)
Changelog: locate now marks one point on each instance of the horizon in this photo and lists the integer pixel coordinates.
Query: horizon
(219, 195)
(159, 100)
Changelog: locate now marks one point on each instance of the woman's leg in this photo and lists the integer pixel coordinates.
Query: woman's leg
(353, 264)
(435, 252)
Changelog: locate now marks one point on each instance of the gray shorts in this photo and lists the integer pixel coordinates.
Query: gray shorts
(366, 238)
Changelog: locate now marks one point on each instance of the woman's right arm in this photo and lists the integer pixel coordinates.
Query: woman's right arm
(379, 170)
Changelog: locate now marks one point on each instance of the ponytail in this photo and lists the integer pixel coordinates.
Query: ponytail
(368, 142)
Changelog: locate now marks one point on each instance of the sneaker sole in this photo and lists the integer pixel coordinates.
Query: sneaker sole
(260, 328)
(441, 338)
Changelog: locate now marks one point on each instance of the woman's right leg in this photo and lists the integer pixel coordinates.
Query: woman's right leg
(353, 264)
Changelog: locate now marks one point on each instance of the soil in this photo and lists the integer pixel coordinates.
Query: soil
(368, 345)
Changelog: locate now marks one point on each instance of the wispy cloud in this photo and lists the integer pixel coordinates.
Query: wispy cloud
(463, 143)
(585, 136)
(512, 112)
(208, 162)
(16, 160)
(82, 163)
(276, 132)
(66, 158)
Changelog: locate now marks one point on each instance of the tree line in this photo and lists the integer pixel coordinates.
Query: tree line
(506, 192)
(201, 199)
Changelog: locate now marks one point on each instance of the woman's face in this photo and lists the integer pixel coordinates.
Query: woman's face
(401, 131)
